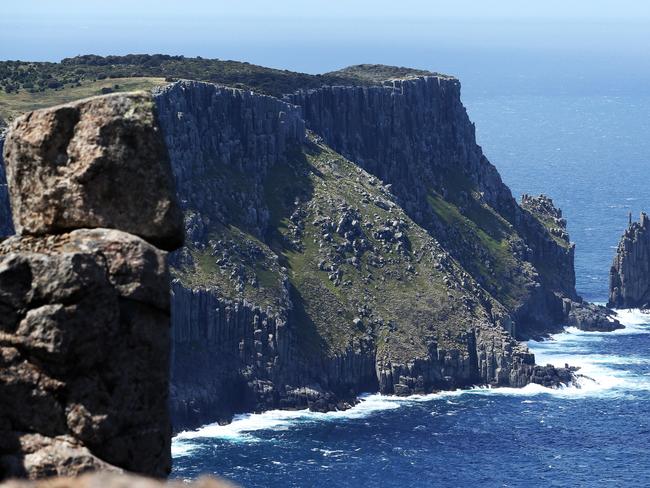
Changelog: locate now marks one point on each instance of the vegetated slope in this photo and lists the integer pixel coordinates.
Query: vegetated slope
(15, 103)
(302, 282)
(414, 133)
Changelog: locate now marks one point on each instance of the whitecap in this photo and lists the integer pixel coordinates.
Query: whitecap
(573, 346)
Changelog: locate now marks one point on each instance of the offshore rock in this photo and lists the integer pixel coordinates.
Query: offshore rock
(84, 313)
(629, 276)
(90, 164)
(591, 317)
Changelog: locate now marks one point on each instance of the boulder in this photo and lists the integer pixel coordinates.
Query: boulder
(84, 353)
(84, 293)
(99, 162)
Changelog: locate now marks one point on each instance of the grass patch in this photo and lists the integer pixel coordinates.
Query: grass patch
(14, 104)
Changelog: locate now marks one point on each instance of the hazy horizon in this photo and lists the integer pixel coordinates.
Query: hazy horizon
(581, 46)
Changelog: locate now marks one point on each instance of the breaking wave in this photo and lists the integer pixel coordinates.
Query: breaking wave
(601, 374)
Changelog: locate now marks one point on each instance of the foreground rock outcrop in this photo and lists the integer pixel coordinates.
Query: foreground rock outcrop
(84, 322)
(92, 164)
(629, 276)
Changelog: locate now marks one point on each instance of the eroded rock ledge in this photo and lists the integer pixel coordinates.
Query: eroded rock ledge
(84, 309)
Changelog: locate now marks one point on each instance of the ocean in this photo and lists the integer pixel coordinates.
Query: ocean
(591, 155)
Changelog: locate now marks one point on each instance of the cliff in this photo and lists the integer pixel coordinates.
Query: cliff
(346, 239)
(629, 276)
(6, 223)
(84, 329)
(303, 282)
(414, 133)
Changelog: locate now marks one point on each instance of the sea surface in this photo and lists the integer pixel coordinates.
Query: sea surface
(592, 155)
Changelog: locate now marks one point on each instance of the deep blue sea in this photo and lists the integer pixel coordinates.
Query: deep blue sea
(592, 155)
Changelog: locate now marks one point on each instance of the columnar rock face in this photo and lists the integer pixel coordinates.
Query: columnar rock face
(6, 222)
(223, 142)
(415, 134)
(302, 282)
(629, 277)
(84, 328)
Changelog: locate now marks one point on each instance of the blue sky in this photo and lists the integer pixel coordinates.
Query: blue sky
(471, 38)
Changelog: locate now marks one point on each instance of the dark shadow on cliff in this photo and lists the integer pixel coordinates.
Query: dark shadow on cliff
(287, 185)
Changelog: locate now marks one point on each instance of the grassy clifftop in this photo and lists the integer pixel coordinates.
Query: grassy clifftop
(27, 85)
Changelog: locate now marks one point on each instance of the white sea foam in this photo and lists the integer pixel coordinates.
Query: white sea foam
(573, 346)
(599, 374)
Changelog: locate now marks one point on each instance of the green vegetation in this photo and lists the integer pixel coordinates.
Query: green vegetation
(376, 73)
(28, 85)
(15, 103)
(491, 260)
(355, 272)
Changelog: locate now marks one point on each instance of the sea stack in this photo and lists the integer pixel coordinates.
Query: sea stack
(629, 277)
(84, 292)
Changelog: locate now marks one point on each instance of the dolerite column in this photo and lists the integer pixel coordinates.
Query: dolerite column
(84, 291)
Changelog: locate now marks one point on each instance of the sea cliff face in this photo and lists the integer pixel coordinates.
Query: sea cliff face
(629, 277)
(6, 222)
(415, 135)
(304, 282)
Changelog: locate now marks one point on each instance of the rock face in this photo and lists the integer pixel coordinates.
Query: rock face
(6, 222)
(84, 328)
(66, 163)
(629, 277)
(303, 282)
(415, 134)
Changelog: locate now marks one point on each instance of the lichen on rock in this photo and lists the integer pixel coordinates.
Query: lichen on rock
(99, 162)
(84, 322)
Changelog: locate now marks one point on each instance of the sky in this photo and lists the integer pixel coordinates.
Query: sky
(563, 42)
